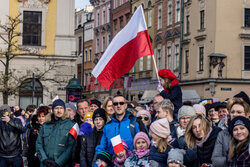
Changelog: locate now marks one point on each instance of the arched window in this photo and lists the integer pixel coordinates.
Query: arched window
(30, 89)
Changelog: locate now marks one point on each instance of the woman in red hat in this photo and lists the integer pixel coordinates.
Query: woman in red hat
(170, 89)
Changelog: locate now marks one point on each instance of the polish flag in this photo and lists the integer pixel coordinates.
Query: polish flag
(131, 43)
(74, 130)
(117, 144)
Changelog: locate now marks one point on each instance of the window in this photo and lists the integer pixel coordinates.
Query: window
(98, 19)
(186, 61)
(103, 44)
(148, 62)
(90, 54)
(121, 2)
(85, 56)
(202, 19)
(169, 57)
(85, 79)
(149, 18)
(97, 45)
(201, 58)
(141, 64)
(159, 57)
(247, 17)
(108, 14)
(32, 23)
(26, 92)
(178, 12)
(121, 22)
(80, 45)
(115, 3)
(115, 25)
(79, 72)
(103, 16)
(159, 17)
(187, 25)
(176, 61)
(170, 14)
(109, 39)
(247, 58)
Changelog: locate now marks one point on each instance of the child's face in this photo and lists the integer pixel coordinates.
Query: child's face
(89, 120)
(141, 144)
(173, 164)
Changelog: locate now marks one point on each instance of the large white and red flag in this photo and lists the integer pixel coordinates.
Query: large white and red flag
(131, 43)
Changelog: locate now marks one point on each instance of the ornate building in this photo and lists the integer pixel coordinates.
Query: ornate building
(46, 48)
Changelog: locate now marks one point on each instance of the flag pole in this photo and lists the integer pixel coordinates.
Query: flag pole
(156, 69)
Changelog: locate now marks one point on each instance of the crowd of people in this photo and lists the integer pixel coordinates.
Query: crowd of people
(163, 133)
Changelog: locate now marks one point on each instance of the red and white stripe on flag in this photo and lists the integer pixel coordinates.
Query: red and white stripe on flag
(117, 144)
(131, 43)
(74, 130)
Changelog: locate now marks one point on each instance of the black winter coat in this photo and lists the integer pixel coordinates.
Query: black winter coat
(88, 148)
(205, 152)
(175, 96)
(30, 137)
(10, 137)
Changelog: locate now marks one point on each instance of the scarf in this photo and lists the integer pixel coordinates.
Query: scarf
(120, 161)
(180, 132)
(142, 153)
(200, 143)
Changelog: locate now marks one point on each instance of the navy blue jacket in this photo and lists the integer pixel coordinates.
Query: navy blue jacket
(190, 158)
(175, 96)
(161, 158)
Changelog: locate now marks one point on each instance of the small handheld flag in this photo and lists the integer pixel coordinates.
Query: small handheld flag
(117, 144)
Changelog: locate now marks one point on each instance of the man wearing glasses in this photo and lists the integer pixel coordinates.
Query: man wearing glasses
(119, 125)
(54, 143)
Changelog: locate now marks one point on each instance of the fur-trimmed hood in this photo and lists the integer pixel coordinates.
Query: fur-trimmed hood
(50, 117)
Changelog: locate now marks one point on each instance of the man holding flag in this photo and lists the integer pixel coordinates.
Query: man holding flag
(56, 138)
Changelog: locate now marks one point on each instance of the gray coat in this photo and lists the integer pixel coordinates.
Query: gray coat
(221, 148)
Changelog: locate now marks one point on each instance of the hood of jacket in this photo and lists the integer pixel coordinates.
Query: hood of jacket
(50, 117)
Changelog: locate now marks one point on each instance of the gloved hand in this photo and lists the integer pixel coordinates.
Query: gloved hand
(50, 163)
(159, 88)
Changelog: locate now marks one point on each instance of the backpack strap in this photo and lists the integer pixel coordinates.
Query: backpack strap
(132, 126)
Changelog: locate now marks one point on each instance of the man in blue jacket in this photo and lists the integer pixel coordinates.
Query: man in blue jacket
(120, 124)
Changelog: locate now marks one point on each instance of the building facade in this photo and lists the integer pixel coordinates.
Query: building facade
(84, 19)
(216, 44)
(46, 49)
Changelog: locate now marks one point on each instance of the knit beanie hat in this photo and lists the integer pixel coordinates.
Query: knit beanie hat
(166, 73)
(94, 101)
(143, 112)
(141, 135)
(58, 102)
(71, 105)
(176, 155)
(88, 115)
(160, 127)
(186, 111)
(85, 129)
(199, 108)
(240, 120)
(100, 113)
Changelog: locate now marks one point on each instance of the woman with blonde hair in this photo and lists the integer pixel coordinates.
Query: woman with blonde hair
(108, 107)
(236, 107)
(162, 142)
(202, 134)
(239, 146)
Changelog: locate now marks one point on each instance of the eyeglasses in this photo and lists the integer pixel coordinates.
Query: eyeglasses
(116, 103)
(144, 118)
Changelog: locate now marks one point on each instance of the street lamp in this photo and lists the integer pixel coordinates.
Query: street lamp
(88, 18)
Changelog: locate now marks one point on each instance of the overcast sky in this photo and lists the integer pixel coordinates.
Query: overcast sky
(81, 3)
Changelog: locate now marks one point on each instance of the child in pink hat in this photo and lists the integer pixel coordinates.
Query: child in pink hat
(141, 151)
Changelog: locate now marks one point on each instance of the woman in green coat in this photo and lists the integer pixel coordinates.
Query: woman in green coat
(54, 143)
